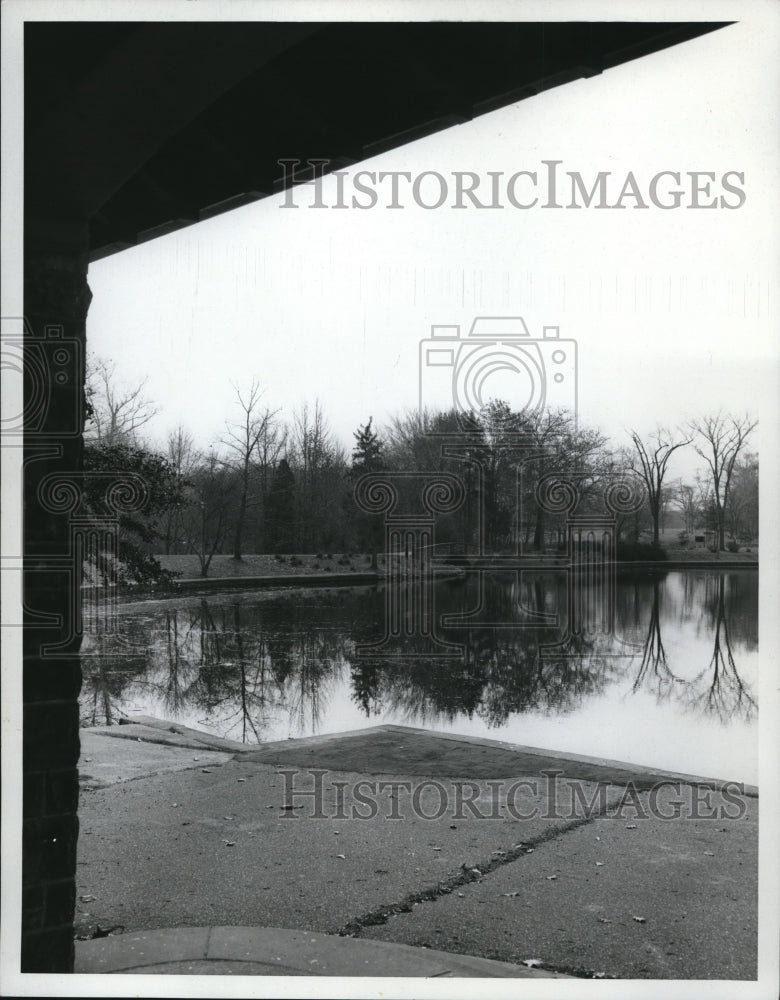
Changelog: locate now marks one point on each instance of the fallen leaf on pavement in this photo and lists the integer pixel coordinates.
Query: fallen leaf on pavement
(229, 843)
(640, 920)
(101, 932)
(87, 899)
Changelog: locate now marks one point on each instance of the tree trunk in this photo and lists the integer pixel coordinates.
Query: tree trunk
(237, 538)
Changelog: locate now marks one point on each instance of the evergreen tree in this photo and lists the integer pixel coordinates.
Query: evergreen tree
(280, 509)
(367, 454)
(367, 457)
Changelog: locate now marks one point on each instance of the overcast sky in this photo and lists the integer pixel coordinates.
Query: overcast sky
(671, 310)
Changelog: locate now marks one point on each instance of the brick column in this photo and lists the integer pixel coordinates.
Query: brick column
(56, 299)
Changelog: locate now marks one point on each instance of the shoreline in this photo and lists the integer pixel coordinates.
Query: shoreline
(375, 578)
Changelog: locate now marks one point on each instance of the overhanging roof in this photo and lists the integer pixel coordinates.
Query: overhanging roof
(144, 128)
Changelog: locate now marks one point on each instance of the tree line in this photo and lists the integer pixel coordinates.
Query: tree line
(270, 484)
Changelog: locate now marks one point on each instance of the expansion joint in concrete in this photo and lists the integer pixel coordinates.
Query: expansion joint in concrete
(467, 874)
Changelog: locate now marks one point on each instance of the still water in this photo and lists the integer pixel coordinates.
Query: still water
(671, 682)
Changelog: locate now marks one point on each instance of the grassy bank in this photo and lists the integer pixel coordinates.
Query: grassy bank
(225, 567)
(677, 555)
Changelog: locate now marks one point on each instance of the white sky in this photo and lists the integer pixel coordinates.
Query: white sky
(671, 309)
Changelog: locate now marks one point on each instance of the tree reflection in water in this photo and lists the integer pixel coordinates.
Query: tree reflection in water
(719, 689)
(719, 605)
(253, 665)
(654, 671)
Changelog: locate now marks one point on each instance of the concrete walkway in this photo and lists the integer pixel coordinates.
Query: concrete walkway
(389, 837)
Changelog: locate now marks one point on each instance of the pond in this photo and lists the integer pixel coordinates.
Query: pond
(670, 682)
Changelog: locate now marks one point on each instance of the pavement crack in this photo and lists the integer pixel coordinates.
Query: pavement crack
(468, 873)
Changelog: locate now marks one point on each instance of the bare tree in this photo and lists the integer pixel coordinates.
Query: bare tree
(211, 489)
(270, 449)
(687, 501)
(183, 457)
(320, 465)
(720, 440)
(742, 510)
(242, 441)
(653, 456)
(116, 412)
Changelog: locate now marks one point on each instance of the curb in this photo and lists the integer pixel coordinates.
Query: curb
(274, 951)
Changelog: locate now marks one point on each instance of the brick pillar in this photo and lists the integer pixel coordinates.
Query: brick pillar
(56, 299)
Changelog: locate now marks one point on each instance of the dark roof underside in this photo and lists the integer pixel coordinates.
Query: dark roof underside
(343, 91)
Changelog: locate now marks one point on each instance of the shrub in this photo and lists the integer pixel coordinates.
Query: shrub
(640, 552)
(732, 546)
(295, 561)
